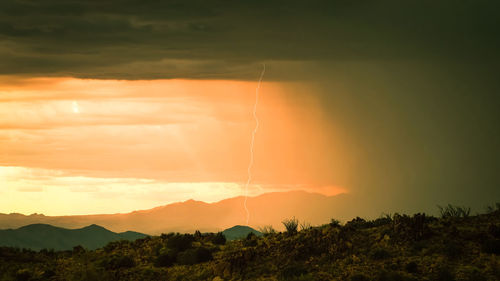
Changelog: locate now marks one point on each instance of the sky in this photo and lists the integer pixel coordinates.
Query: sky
(113, 106)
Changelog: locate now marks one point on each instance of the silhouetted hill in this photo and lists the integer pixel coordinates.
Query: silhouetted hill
(44, 236)
(239, 231)
(191, 215)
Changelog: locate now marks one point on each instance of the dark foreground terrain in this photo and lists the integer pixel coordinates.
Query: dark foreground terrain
(455, 246)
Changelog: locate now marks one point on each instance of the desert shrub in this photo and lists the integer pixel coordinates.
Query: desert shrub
(250, 240)
(305, 277)
(417, 246)
(451, 211)
(335, 223)
(411, 267)
(48, 273)
(380, 254)
(473, 274)
(358, 223)
(291, 225)
(194, 256)
(453, 249)
(392, 276)
(305, 225)
(78, 250)
(118, 262)
(413, 228)
(292, 271)
(46, 252)
(444, 274)
(180, 242)
(167, 257)
(359, 277)
(494, 230)
(267, 229)
(23, 275)
(383, 220)
(493, 208)
(219, 239)
(111, 246)
(491, 246)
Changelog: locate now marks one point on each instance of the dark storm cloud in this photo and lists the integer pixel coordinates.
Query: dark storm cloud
(226, 39)
(411, 86)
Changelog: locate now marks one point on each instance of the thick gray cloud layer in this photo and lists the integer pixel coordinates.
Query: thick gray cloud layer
(226, 39)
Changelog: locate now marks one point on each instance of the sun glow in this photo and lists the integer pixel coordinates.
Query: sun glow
(75, 107)
(183, 139)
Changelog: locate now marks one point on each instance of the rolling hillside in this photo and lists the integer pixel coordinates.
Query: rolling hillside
(44, 236)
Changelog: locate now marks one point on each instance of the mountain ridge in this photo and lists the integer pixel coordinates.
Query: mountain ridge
(190, 215)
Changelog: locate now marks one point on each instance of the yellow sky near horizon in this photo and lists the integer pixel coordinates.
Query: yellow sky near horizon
(82, 146)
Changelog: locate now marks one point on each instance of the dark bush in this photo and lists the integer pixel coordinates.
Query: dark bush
(444, 274)
(380, 254)
(251, 236)
(411, 228)
(194, 256)
(292, 271)
(48, 273)
(47, 252)
(359, 277)
(453, 249)
(491, 246)
(451, 211)
(358, 223)
(267, 230)
(392, 276)
(291, 225)
(118, 262)
(250, 240)
(219, 239)
(203, 254)
(475, 275)
(23, 275)
(167, 258)
(335, 223)
(180, 242)
(493, 208)
(494, 230)
(411, 267)
(382, 221)
(78, 250)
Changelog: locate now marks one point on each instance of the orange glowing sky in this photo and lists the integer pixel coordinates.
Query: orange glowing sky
(78, 146)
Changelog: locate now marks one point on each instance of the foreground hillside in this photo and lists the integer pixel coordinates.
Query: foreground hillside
(398, 247)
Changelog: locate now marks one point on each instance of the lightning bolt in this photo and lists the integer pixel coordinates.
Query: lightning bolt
(250, 164)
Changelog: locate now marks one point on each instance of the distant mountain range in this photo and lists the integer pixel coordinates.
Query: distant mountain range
(44, 236)
(239, 231)
(188, 216)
